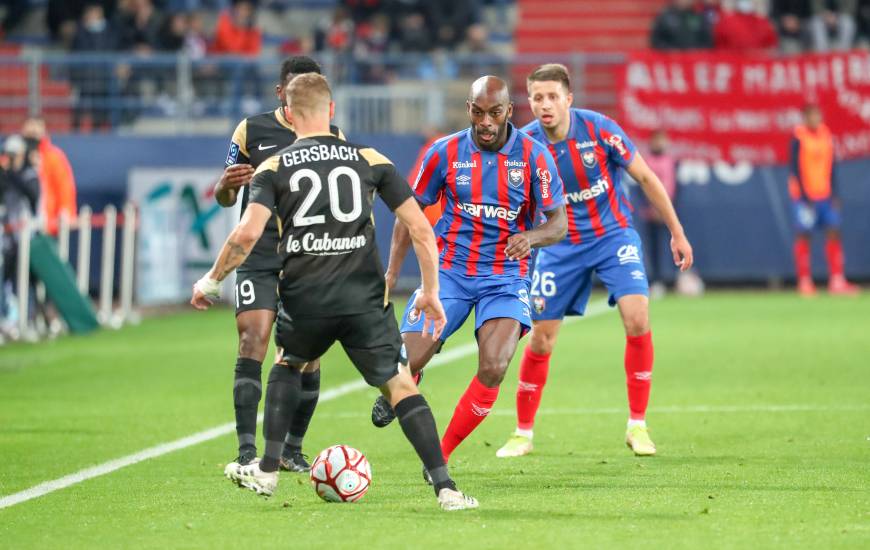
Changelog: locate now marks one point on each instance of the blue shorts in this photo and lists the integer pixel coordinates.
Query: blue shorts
(809, 215)
(491, 297)
(562, 279)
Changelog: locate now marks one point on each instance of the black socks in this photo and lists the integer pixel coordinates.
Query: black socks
(247, 390)
(418, 424)
(304, 411)
(282, 399)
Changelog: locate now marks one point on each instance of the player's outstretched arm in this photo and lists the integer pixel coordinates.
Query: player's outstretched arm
(236, 176)
(236, 248)
(553, 230)
(420, 233)
(655, 191)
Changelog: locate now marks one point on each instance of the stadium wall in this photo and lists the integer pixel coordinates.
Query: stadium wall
(738, 217)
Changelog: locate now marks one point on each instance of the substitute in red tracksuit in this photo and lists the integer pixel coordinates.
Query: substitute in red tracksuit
(811, 186)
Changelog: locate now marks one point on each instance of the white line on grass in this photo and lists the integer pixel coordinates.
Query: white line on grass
(36, 491)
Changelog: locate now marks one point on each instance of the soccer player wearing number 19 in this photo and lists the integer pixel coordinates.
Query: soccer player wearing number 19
(591, 150)
(332, 285)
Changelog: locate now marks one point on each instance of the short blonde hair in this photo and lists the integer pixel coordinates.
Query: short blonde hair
(307, 94)
(550, 72)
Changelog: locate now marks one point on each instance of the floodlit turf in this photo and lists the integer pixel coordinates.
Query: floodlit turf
(760, 410)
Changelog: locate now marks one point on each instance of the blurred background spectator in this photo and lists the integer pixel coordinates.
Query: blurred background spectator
(791, 18)
(681, 27)
(56, 181)
(743, 28)
(237, 32)
(833, 24)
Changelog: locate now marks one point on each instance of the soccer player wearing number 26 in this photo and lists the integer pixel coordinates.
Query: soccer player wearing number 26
(493, 180)
(590, 151)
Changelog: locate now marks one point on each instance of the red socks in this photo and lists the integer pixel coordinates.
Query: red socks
(802, 257)
(533, 375)
(834, 253)
(473, 407)
(638, 373)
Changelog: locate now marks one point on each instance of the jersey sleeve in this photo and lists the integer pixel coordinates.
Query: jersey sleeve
(238, 153)
(619, 147)
(391, 186)
(547, 186)
(431, 178)
(263, 184)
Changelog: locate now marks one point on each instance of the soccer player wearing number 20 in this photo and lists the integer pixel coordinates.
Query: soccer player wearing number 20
(590, 151)
(332, 284)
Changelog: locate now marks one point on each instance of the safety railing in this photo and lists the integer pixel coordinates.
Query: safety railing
(177, 94)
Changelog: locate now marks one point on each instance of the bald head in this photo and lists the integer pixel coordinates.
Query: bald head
(490, 88)
(490, 109)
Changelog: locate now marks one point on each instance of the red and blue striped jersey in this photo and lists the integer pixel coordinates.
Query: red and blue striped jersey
(590, 162)
(486, 196)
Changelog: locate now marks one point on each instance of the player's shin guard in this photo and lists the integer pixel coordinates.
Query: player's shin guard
(304, 411)
(247, 390)
(834, 254)
(533, 375)
(282, 398)
(638, 373)
(473, 407)
(418, 424)
(802, 257)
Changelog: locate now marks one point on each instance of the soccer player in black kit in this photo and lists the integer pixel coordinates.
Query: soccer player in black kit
(332, 284)
(256, 139)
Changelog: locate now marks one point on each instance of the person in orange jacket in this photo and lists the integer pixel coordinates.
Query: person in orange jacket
(57, 184)
(813, 193)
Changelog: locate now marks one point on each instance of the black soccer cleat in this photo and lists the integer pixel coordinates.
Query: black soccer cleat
(294, 462)
(382, 413)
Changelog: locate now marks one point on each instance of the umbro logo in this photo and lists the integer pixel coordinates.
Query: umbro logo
(638, 275)
(480, 411)
(261, 148)
(464, 179)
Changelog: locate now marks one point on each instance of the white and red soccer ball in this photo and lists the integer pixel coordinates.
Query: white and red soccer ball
(341, 474)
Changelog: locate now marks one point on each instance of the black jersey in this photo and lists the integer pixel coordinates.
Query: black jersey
(323, 189)
(256, 139)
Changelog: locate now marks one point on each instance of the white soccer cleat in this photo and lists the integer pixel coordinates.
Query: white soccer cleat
(451, 500)
(517, 445)
(251, 477)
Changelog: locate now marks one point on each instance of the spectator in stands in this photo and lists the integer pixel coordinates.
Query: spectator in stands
(237, 32)
(139, 25)
(92, 81)
(372, 40)
(712, 10)
(833, 24)
(452, 19)
(863, 18)
(743, 28)
(791, 18)
(655, 233)
(57, 184)
(681, 27)
(62, 17)
(173, 33)
(195, 40)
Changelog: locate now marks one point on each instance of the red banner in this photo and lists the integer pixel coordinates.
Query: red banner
(741, 107)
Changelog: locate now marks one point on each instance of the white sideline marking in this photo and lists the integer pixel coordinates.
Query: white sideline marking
(44, 488)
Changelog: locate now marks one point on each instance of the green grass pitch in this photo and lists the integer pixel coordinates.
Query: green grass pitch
(760, 409)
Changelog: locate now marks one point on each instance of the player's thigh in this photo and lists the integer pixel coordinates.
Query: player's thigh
(303, 340)
(561, 284)
(456, 310)
(503, 297)
(634, 311)
(620, 266)
(828, 215)
(543, 337)
(497, 341)
(255, 328)
(373, 343)
(804, 216)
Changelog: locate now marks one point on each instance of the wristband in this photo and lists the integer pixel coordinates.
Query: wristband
(208, 286)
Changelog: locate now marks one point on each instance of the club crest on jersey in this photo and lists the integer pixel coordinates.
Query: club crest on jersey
(515, 177)
(540, 304)
(588, 159)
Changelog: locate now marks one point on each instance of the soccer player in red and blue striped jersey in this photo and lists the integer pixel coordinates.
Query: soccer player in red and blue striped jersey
(591, 151)
(493, 181)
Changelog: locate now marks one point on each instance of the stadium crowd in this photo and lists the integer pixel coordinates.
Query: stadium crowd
(739, 25)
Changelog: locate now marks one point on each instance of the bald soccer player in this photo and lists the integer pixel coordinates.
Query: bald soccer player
(494, 180)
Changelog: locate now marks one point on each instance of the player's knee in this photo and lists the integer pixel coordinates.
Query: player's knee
(636, 321)
(491, 371)
(312, 366)
(542, 342)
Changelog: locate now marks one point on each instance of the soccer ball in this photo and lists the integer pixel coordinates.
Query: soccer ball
(341, 474)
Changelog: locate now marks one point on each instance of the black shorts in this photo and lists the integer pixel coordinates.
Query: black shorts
(371, 340)
(256, 290)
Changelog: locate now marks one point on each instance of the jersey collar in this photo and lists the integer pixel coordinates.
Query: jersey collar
(279, 116)
(505, 149)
